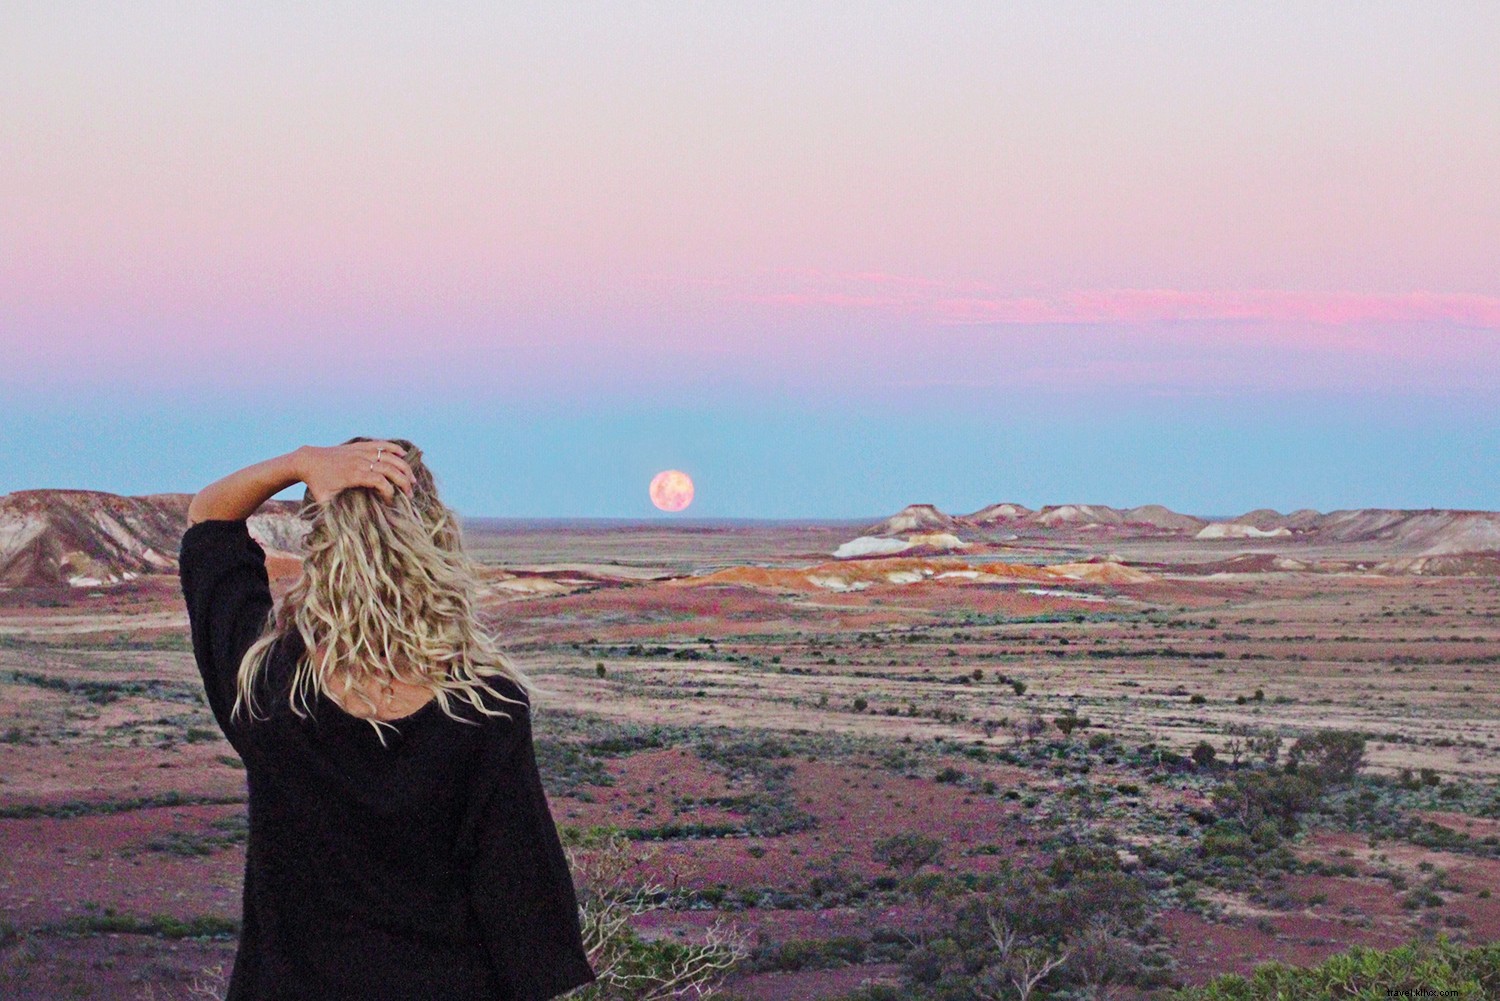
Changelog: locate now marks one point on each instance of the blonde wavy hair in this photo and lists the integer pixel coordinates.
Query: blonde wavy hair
(387, 593)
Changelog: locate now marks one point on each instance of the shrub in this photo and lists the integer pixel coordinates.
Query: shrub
(1026, 922)
(1204, 754)
(160, 925)
(1255, 796)
(875, 992)
(909, 851)
(812, 954)
(1226, 841)
(1328, 757)
(1438, 970)
(627, 965)
(1068, 722)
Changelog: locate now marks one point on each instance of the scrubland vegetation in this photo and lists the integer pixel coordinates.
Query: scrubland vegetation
(925, 795)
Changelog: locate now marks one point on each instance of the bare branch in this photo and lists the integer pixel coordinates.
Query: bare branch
(1003, 934)
(1030, 967)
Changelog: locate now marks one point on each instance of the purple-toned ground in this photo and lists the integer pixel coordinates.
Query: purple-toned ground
(120, 806)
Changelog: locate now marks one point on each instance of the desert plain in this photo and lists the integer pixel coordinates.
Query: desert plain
(832, 757)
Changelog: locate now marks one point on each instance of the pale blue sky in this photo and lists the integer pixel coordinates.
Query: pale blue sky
(1197, 455)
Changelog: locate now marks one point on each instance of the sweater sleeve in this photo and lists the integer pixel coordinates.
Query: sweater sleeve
(520, 889)
(228, 595)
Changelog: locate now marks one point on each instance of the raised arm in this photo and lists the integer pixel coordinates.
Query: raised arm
(326, 471)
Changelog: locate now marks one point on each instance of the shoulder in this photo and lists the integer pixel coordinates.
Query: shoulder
(504, 735)
(506, 695)
(497, 740)
(211, 531)
(506, 707)
(210, 543)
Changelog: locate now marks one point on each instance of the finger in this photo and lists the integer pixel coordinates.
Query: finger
(371, 449)
(400, 482)
(368, 475)
(398, 470)
(393, 467)
(400, 466)
(380, 483)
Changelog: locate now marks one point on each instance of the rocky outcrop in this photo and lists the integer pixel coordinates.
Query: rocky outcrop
(920, 542)
(89, 538)
(1240, 530)
(1404, 533)
(998, 514)
(915, 518)
(1156, 516)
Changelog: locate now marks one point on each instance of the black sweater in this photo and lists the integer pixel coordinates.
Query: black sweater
(426, 870)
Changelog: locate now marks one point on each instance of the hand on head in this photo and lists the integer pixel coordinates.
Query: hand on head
(378, 464)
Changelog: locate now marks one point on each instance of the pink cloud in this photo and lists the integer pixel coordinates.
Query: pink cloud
(949, 303)
(1132, 306)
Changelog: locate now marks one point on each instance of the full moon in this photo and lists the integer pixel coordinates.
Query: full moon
(671, 490)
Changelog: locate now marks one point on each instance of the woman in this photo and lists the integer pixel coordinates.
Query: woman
(401, 845)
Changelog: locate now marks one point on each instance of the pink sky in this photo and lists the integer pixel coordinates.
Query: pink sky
(829, 258)
(751, 194)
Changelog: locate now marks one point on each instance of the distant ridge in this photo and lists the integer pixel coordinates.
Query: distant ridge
(1408, 533)
(997, 513)
(89, 538)
(915, 518)
(1007, 515)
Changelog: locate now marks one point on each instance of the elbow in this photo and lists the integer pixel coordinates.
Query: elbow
(195, 511)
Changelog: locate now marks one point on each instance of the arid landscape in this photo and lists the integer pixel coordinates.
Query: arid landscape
(850, 741)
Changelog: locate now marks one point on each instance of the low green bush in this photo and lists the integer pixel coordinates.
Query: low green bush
(811, 954)
(1415, 970)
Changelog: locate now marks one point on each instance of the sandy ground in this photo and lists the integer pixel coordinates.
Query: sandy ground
(119, 798)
